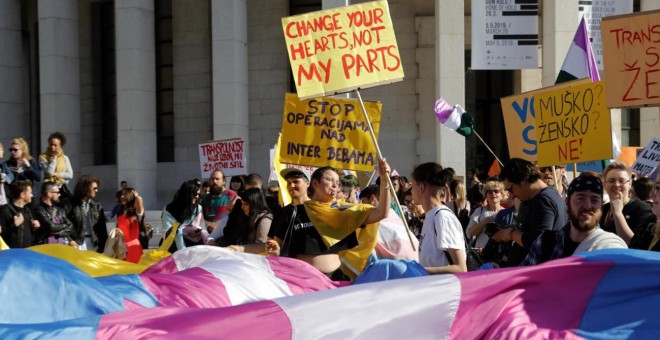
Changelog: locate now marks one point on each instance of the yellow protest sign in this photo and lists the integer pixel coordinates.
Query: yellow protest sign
(519, 116)
(631, 54)
(329, 132)
(573, 125)
(341, 49)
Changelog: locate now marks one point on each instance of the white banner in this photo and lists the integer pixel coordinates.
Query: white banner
(226, 155)
(504, 34)
(594, 11)
(648, 159)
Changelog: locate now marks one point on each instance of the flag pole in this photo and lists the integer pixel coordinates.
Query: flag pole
(388, 179)
(554, 175)
(487, 147)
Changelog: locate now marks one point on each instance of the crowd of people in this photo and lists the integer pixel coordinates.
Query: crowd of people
(526, 215)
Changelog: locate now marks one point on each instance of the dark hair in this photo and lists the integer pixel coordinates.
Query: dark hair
(58, 135)
(254, 181)
(182, 207)
(373, 189)
(254, 197)
(432, 173)
(237, 179)
(517, 170)
(643, 187)
(18, 186)
(129, 193)
(46, 187)
(349, 181)
(317, 175)
(84, 185)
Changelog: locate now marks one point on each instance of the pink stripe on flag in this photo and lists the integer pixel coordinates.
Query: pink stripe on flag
(259, 320)
(534, 303)
(164, 266)
(193, 287)
(301, 277)
(443, 110)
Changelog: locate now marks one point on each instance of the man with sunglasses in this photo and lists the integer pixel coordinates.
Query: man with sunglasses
(542, 208)
(549, 179)
(56, 227)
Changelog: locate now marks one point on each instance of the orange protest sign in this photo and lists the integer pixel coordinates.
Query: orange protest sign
(631, 54)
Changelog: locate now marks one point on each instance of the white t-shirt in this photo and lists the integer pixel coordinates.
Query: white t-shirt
(479, 215)
(441, 231)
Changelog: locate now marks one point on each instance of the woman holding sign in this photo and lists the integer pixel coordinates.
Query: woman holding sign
(334, 236)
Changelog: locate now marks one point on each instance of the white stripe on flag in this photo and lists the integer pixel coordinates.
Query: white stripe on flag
(246, 277)
(576, 62)
(419, 308)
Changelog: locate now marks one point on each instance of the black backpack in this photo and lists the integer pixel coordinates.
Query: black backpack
(463, 216)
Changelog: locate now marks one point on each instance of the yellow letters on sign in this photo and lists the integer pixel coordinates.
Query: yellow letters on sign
(573, 125)
(341, 49)
(329, 132)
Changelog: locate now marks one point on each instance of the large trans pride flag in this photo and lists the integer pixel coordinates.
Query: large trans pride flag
(208, 292)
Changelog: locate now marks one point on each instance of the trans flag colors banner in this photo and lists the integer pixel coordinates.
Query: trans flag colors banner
(208, 292)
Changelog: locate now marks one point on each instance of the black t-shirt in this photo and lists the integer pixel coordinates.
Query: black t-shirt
(638, 215)
(303, 238)
(546, 211)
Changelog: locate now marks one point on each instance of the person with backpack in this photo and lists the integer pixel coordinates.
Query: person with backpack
(476, 230)
(442, 245)
(459, 203)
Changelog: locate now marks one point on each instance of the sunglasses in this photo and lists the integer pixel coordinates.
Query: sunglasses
(13, 149)
(496, 191)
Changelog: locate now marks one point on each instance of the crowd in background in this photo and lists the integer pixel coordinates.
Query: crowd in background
(526, 215)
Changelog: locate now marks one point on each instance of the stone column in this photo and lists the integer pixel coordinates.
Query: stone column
(11, 73)
(560, 20)
(230, 72)
(328, 4)
(136, 96)
(649, 117)
(59, 75)
(449, 78)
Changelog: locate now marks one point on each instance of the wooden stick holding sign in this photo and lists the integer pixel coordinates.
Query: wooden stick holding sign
(389, 180)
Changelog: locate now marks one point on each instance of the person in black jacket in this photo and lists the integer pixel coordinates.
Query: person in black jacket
(19, 229)
(55, 226)
(87, 215)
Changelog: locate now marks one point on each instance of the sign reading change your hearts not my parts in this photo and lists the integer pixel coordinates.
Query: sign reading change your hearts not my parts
(341, 49)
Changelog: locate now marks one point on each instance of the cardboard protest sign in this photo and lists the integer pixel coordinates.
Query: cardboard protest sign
(329, 132)
(341, 49)
(631, 53)
(573, 125)
(648, 159)
(226, 155)
(519, 114)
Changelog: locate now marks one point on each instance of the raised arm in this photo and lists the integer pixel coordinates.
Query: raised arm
(383, 208)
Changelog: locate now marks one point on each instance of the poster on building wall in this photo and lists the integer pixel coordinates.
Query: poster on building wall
(341, 49)
(505, 34)
(648, 159)
(519, 120)
(227, 155)
(631, 51)
(593, 12)
(573, 124)
(329, 132)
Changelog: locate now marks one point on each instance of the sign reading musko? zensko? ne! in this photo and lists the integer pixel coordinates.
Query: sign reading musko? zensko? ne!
(329, 132)
(573, 125)
(341, 49)
(226, 155)
(519, 118)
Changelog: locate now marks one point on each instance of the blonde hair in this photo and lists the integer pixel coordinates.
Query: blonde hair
(23, 145)
(492, 185)
(617, 165)
(459, 193)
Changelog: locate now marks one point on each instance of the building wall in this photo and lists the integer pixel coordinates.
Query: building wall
(409, 132)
